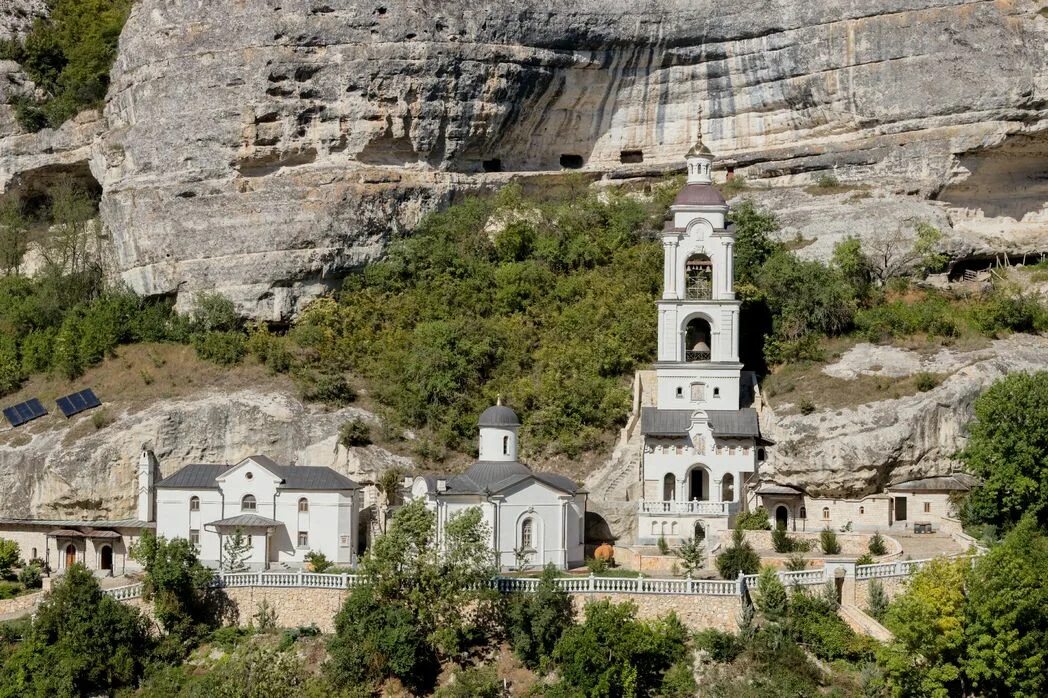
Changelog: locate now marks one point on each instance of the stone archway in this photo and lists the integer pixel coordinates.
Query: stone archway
(698, 484)
(70, 555)
(782, 517)
(105, 558)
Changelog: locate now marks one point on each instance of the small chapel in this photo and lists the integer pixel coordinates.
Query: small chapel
(534, 518)
(701, 441)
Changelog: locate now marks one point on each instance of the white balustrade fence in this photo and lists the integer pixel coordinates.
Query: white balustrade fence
(689, 508)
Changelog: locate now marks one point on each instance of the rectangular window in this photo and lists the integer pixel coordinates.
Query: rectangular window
(303, 539)
(927, 507)
(698, 391)
(194, 536)
(344, 541)
(194, 504)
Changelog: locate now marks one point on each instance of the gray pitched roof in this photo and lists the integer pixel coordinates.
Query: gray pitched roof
(955, 482)
(485, 477)
(294, 477)
(247, 521)
(740, 423)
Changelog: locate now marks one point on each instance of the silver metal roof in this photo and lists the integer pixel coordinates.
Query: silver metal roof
(247, 521)
(955, 482)
(491, 477)
(498, 416)
(739, 423)
(775, 488)
(293, 477)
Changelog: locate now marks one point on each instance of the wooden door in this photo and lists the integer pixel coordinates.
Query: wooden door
(900, 508)
(70, 555)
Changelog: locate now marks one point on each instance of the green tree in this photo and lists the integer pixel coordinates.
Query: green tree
(180, 587)
(828, 542)
(853, 265)
(14, 237)
(877, 604)
(926, 247)
(771, 595)
(924, 658)
(1007, 616)
(80, 642)
(753, 242)
(9, 553)
(756, 520)
(1008, 449)
(536, 621)
(692, 555)
(613, 654)
(738, 557)
(253, 671)
(236, 549)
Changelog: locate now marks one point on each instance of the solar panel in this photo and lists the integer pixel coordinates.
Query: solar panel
(77, 402)
(24, 412)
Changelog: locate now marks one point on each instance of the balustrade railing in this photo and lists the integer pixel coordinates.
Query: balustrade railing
(696, 507)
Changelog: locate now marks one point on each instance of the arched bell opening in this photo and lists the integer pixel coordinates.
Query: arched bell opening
(697, 336)
(698, 278)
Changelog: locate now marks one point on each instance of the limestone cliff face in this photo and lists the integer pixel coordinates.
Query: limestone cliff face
(855, 451)
(265, 147)
(52, 469)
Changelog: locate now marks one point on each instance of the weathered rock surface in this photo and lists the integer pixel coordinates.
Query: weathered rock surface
(264, 148)
(76, 470)
(16, 16)
(856, 451)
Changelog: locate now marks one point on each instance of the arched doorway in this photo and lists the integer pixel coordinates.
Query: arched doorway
(728, 488)
(698, 484)
(105, 558)
(700, 531)
(697, 336)
(669, 488)
(782, 517)
(70, 552)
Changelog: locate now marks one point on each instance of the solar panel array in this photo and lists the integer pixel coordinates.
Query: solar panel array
(78, 402)
(24, 412)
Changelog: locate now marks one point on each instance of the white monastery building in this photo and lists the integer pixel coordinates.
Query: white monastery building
(701, 446)
(534, 518)
(286, 511)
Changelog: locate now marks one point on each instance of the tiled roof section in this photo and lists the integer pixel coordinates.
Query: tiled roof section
(495, 476)
(295, 477)
(956, 482)
(699, 195)
(728, 423)
(247, 521)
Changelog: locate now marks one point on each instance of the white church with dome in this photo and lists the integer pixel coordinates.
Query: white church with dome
(701, 444)
(534, 518)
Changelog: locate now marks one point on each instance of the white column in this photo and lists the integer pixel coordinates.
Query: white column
(729, 269)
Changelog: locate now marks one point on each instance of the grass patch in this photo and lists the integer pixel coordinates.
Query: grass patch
(807, 388)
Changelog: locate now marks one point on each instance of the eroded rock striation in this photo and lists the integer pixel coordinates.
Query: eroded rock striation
(266, 147)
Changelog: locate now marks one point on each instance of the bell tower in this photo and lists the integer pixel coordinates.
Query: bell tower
(698, 340)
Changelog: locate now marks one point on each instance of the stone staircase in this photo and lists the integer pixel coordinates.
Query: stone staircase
(862, 623)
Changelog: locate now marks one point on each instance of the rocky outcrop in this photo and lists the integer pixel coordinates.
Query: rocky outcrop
(856, 451)
(16, 16)
(51, 469)
(265, 148)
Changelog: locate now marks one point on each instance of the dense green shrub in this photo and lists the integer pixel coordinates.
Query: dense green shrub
(814, 623)
(877, 600)
(475, 682)
(771, 598)
(355, 432)
(719, 645)
(535, 622)
(68, 54)
(321, 386)
(9, 553)
(611, 653)
(929, 314)
(828, 542)
(877, 546)
(864, 559)
(738, 557)
(1010, 311)
(223, 348)
(756, 520)
(753, 242)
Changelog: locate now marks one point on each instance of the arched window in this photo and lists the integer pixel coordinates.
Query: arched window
(194, 503)
(761, 455)
(303, 505)
(697, 340)
(862, 510)
(248, 503)
(673, 528)
(527, 534)
(505, 445)
(654, 528)
(698, 274)
(700, 531)
(728, 488)
(803, 513)
(825, 512)
(669, 488)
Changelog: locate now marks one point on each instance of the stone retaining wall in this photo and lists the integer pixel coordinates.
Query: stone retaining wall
(20, 603)
(893, 586)
(852, 544)
(295, 606)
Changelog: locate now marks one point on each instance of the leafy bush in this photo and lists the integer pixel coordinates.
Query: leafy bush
(1006, 310)
(877, 600)
(738, 557)
(780, 540)
(475, 682)
(828, 542)
(30, 576)
(806, 406)
(931, 313)
(664, 547)
(597, 565)
(535, 622)
(9, 553)
(756, 520)
(771, 596)
(720, 646)
(927, 381)
(613, 653)
(355, 432)
(864, 559)
(318, 561)
(814, 623)
(692, 555)
(322, 386)
(877, 546)
(827, 181)
(796, 563)
(68, 54)
(223, 348)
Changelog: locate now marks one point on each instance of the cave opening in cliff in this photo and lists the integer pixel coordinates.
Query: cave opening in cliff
(38, 191)
(1008, 180)
(571, 162)
(631, 157)
(492, 165)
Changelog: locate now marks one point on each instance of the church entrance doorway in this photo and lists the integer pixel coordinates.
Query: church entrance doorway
(105, 561)
(669, 488)
(782, 517)
(698, 485)
(70, 555)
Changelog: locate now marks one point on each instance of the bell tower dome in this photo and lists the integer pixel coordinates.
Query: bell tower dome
(700, 163)
(498, 434)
